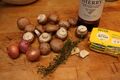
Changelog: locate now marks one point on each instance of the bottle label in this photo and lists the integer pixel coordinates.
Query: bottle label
(91, 10)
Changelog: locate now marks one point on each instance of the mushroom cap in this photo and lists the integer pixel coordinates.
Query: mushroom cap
(44, 48)
(73, 21)
(30, 28)
(62, 33)
(64, 23)
(22, 23)
(56, 44)
(51, 28)
(45, 37)
(81, 29)
(40, 28)
(42, 18)
(53, 18)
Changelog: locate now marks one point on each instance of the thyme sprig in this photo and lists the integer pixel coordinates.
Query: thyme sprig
(59, 59)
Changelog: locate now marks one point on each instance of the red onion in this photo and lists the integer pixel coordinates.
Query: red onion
(23, 46)
(13, 51)
(33, 54)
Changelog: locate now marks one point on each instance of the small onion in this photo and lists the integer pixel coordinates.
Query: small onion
(13, 51)
(33, 54)
(23, 46)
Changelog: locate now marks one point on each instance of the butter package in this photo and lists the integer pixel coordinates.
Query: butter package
(105, 41)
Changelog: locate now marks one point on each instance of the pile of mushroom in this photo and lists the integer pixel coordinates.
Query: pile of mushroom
(50, 31)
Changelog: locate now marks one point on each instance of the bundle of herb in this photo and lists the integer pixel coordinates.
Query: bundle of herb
(59, 59)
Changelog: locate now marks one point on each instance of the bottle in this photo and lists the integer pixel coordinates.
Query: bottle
(90, 12)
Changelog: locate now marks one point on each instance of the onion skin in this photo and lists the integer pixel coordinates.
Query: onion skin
(33, 54)
(24, 46)
(13, 51)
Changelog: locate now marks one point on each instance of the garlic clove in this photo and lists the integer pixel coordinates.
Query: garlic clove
(37, 32)
(75, 50)
(83, 53)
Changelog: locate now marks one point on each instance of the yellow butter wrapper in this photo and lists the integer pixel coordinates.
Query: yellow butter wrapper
(108, 38)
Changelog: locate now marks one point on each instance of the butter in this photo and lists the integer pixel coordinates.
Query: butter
(105, 41)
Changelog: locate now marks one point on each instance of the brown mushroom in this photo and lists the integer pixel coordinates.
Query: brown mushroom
(42, 19)
(62, 33)
(30, 28)
(53, 19)
(73, 21)
(51, 28)
(40, 28)
(64, 23)
(81, 31)
(28, 36)
(56, 44)
(22, 23)
(45, 37)
(44, 48)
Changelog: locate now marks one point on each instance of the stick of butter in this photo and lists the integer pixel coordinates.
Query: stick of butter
(105, 41)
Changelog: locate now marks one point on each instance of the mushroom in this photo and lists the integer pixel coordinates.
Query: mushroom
(42, 19)
(51, 28)
(81, 31)
(56, 44)
(64, 23)
(61, 33)
(30, 28)
(22, 23)
(45, 37)
(44, 48)
(28, 36)
(53, 19)
(73, 21)
(40, 28)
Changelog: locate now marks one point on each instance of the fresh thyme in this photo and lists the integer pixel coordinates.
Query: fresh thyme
(59, 59)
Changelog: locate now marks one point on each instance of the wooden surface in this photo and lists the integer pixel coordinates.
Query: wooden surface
(94, 67)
